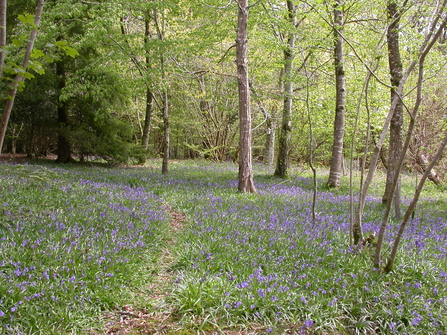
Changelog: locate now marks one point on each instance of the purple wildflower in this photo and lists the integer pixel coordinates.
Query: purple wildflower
(308, 323)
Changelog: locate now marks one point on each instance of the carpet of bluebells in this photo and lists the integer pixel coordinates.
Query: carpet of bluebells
(70, 245)
(73, 241)
(261, 259)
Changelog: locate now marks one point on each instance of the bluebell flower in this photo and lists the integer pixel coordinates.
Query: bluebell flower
(308, 323)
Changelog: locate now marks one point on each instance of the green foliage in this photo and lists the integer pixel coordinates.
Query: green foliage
(197, 48)
(108, 139)
(27, 19)
(69, 51)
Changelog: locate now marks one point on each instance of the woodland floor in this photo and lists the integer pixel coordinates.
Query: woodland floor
(160, 319)
(11, 158)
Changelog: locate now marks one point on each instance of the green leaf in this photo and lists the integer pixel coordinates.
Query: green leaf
(16, 42)
(40, 70)
(61, 43)
(69, 51)
(36, 53)
(72, 52)
(36, 66)
(28, 75)
(27, 19)
(19, 70)
(21, 86)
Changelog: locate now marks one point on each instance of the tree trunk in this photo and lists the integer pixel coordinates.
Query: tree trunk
(149, 96)
(3, 5)
(286, 127)
(433, 35)
(160, 28)
(164, 167)
(411, 207)
(395, 65)
(340, 99)
(63, 143)
(147, 120)
(270, 142)
(19, 78)
(269, 150)
(246, 182)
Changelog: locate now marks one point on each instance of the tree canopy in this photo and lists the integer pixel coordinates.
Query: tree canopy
(104, 74)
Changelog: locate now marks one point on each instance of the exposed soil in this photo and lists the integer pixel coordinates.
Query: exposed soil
(127, 320)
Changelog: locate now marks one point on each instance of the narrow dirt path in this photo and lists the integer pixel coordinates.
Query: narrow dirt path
(156, 321)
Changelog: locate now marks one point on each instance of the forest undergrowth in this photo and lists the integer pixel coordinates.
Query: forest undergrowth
(96, 250)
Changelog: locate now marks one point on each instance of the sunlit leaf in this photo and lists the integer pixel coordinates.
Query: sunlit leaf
(27, 19)
(27, 75)
(61, 43)
(69, 51)
(19, 70)
(16, 42)
(36, 53)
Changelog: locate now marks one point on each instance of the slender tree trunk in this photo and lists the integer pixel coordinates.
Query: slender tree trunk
(159, 22)
(63, 143)
(435, 32)
(286, 126)
(166, 148)
(411, 207)
(395, 65)
(149, 96)
(246, 182)
(147, 120)
(340, 99)
(427, 44)
(270, 142)
(269, 150)
(19, 78)
(3, 6)
(356, 225)
(311, 150)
